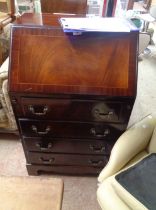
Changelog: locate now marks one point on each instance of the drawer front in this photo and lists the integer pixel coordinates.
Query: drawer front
(36, 169)
(35, 128)
(64, 159)
(76, 110)
(67, 146)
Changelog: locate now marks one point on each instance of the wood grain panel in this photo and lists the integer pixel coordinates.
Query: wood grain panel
(93, 63)
(64, 6)
(64, 61)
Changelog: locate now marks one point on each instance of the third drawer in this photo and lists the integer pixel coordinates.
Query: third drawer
(74, 146)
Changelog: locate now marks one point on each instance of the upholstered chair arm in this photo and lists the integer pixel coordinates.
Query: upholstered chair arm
(129, 144)
(106, 193)
(4, 71)
(4, 66)
(113, 196)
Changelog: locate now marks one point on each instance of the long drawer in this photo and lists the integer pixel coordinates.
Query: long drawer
(37, 169)
(66, 159)
(39, 128)
(76, 146)
(75, 110)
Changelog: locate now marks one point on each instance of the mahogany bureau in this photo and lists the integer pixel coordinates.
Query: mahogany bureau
(72, 95)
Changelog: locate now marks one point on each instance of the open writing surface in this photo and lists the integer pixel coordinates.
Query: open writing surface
(97, 24)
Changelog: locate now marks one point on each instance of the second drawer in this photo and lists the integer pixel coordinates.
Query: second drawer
(36, 128)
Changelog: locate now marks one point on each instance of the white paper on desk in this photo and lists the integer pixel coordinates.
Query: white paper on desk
(146, 17)
(95, 24)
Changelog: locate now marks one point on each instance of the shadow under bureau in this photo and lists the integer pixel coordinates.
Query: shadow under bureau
(72, 96)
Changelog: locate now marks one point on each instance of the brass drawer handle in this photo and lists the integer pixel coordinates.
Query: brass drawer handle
(44, 148)
(47, 161)
(102, 115)
(96, 148)
(44, 112)
(34, 128)
(101, 134)
(95, 162)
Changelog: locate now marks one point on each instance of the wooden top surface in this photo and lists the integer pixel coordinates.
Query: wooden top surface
(43, 20)
(26, 193)
(64, 6)
(46, 60)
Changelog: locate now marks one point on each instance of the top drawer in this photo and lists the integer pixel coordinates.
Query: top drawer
(75, 110)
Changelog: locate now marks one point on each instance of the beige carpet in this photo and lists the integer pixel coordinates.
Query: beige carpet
(80, 192)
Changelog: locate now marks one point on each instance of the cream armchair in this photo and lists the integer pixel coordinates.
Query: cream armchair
(8, 13)
(7, 120)
(134, 145)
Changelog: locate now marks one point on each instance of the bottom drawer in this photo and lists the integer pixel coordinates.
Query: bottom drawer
(64, 159)
(68, 170)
